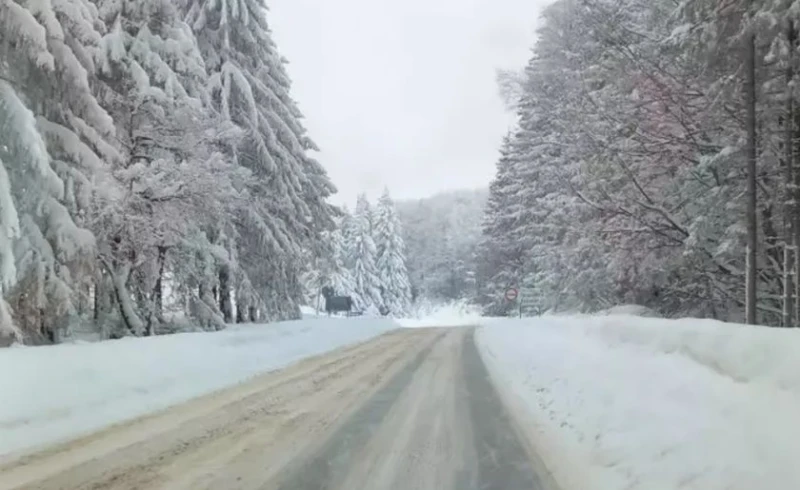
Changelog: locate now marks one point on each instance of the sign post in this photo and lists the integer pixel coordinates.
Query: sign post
(511, 295)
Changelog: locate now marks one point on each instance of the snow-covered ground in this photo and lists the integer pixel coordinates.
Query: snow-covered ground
(57, 392)
(624, 402)
(453, 314)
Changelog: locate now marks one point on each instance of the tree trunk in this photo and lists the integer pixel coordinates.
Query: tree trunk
(241, 311)
(252, 311)
(126, 309)
(158, 290)
(104, 297)
(157, 295)
(50, 333)
(752, 226)
(790, 243)
(225, 305)
(97, 292)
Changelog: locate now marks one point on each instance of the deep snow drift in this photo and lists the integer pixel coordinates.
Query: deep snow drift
(56, 392)
(622, 402)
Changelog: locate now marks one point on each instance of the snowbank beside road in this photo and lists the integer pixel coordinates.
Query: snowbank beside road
(623, 402)
(56, 392)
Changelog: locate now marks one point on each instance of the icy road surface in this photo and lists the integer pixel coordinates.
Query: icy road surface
(411, 409)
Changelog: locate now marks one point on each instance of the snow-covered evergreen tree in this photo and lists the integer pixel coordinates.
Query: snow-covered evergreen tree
(336, 275)
(391, 260)
(501, 258)
(287, 211)
(362, 258)
(328, 270)
(146, 142)
(623, 181)
(177, 185)
(54, 152)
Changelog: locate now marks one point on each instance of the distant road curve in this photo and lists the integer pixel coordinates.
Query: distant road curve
(411, 409)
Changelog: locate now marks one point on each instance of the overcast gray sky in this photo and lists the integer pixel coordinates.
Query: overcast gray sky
(402, 93)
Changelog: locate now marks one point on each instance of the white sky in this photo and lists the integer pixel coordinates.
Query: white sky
(402, 93)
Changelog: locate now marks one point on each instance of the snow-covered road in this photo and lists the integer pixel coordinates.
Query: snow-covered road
(411, 409)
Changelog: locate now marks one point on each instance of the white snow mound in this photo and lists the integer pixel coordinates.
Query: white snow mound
(623, 402)
(633, 310)
(57, 392)
(455, 314)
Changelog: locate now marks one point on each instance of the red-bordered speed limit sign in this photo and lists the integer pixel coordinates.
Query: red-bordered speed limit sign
(511, 294)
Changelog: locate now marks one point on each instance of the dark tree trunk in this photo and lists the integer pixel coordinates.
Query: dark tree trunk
(241, 311)
(98, 290)
(225, 305)
(252, 311)
(158, 289)
(121, 293)
(157, 295)
(50, 333)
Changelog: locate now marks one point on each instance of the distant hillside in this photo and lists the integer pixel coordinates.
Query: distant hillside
(441, 234)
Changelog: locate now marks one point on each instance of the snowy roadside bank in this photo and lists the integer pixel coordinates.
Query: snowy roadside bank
(57, 392)
(622, 402)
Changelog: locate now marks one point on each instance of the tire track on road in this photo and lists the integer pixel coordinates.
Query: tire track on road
(410, 410)
(170, 449)
(437, 424)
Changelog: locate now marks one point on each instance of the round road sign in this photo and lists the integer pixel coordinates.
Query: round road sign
(511, 294)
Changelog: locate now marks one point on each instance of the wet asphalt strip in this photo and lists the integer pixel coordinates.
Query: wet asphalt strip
(502, 463)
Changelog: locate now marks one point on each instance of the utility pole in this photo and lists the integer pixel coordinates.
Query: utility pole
(521, 281)
(752, 229)
(790, 206)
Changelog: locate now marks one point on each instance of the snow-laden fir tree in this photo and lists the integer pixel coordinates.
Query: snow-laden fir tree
(362, 255)
(391, 259)
(337, 276)
(287, 212)
(501, 258)
(54, 148)
(177, 186)
(623, 181)
(328, 270)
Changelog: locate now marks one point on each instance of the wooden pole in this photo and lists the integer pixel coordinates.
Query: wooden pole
(752, 229)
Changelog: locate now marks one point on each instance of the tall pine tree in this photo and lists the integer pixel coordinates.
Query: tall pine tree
(287, 212)
(362, 257)
(391, 260)
(54, 150)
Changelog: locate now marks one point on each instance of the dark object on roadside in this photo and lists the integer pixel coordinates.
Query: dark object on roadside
(335, 304)
(327, 292)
